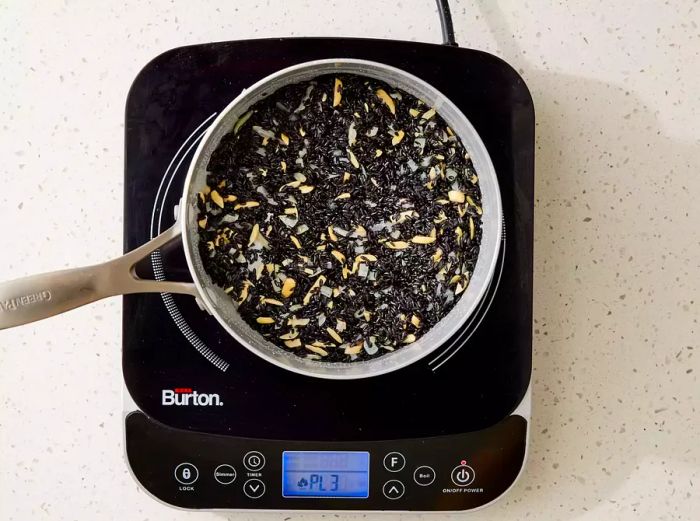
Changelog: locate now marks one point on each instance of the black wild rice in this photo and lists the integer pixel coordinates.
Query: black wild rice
(343, 215)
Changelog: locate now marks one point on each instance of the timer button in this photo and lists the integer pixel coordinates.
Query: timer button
(254, 461)
(462, 475)
(393, 489)
(424, 476)
(186, 473)
(394, 462)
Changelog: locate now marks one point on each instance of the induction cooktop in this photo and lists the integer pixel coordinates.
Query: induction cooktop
(209, 425)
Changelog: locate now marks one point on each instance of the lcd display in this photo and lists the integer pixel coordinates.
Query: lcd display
(325, 474)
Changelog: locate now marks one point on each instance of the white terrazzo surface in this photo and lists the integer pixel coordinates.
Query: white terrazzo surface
(616, 431)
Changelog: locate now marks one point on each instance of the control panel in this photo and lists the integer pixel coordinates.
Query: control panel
(204, 471)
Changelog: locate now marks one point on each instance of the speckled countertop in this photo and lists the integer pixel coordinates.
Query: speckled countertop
(616, 432)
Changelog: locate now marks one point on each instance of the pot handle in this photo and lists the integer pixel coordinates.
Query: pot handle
(41, 296)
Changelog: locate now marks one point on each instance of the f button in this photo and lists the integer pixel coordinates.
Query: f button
(394, 462)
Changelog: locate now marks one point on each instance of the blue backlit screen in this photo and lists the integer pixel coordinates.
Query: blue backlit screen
(325, 474)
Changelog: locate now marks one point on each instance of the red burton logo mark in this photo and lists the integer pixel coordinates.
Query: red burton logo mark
(183, 396)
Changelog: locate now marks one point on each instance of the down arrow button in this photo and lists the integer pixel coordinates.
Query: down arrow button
(254, 488)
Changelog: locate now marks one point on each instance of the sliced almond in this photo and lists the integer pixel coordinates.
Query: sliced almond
(460, 288)
(284, 138)
(360, 231)
(354, 349)
(332, 235)
(293, 344)
(338, 255)
(472, 230)
(437, 255)
(315, 286)
(337, 96)
(456, 196)
(288, 287)
(422, 239)
(202, 222)
(217, 199)
(377, 153)
(317, 350)
(305, 189)
(346, 177)
(410, 338)
(344, 195)
(414, 112)
(367, 315)
(334, 335)
(295, 241)
(291, 211)
(387, 100)
(254, 234)
(428, 114)
(294, 321)
(272, 301)
(265, 320)
(283, 166)
(415, 320)
(301, 132)
(353, 159)
(247, 204)
(290, 336)
(244, 292)
(396, 245)
(459, 233)
(397, 137)
(230, 198)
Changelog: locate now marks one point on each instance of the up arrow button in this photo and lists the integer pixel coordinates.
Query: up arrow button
(393, 489)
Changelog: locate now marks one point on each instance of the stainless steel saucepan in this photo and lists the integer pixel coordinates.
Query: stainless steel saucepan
(41, 296)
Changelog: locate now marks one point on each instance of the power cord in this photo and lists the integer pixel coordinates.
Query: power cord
(448, 31)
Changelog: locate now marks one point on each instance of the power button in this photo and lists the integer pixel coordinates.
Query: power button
(462, 475)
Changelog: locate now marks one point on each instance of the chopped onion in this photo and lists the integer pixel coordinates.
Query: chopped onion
(290, 222)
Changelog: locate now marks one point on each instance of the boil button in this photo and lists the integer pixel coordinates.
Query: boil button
(424, 476)
(462, 475)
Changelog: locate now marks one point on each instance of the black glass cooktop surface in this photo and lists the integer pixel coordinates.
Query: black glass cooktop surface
(472, 382)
